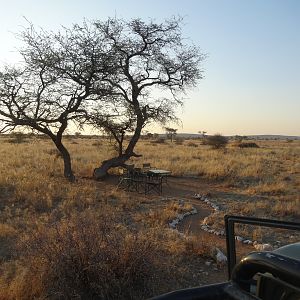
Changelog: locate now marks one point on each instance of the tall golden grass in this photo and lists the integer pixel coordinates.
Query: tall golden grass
(39, 208)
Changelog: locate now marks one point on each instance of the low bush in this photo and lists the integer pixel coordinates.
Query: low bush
(86, 257)
(247, 145)
(18, 138)
(216, 141)
(159, 141)
(179, 141)
(192, 144)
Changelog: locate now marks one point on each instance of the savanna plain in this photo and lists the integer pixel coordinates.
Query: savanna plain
(91, 240)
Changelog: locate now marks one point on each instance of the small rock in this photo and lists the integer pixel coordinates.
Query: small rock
(179, 217)
(239, 238)
(220, 256)
(193, 211)
(263, 247)
(208, 263)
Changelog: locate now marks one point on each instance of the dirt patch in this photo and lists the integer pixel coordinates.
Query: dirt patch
(201, 270)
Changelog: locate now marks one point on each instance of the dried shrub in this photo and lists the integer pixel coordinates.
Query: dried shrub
(247, 145)
(18, 138)
(88, 256)
(179, 141)
(216, 141)
(159, 141)
(192, 144)
(97, 144)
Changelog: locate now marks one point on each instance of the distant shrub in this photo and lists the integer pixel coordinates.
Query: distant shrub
(216, 141)
(77, 134)
(159, 141)
(18, 138)
(247, 145)
(192, 144)
(179, 141)
(97, 144)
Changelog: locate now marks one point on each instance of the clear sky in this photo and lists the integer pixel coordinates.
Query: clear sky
(252, 74)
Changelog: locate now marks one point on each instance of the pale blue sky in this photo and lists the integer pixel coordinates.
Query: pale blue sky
(252, 74)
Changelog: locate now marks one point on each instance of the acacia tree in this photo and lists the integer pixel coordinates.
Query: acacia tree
(171, 132)
(153, 68)
(58, 75)
(203, 133)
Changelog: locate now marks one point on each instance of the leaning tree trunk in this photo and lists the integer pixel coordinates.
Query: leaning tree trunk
(68, 172)
(101, 172)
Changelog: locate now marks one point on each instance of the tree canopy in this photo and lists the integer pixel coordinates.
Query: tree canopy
(154, 68)
(116, 75)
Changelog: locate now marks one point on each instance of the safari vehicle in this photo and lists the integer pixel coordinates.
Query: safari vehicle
(271, 275)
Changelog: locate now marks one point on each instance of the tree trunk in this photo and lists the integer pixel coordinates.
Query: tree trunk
(68, 172)
(101, 172)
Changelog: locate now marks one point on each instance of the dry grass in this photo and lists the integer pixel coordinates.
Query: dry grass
(90, 255)
(67, 226)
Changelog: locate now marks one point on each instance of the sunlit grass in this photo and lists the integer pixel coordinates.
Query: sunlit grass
(33, 192)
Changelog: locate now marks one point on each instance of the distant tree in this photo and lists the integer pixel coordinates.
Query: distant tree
(149, 135)
(216, 141)
(238, 138)
(77, 134)
(203, 133)
(170, 132)
(155, 135)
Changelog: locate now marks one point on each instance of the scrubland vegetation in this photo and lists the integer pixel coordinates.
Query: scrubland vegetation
(61, 240)
(64, 235)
